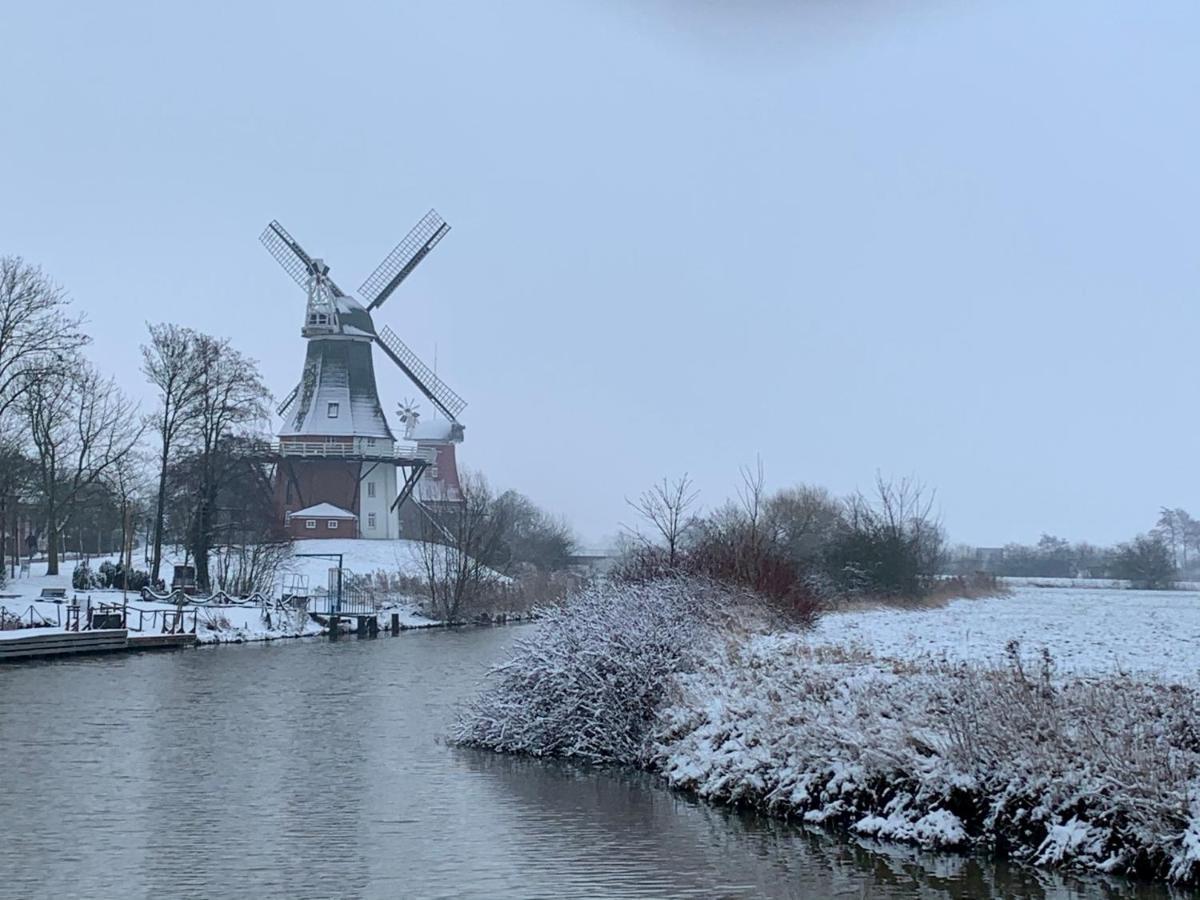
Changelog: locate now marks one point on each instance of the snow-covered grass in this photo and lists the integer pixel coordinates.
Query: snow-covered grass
(1096, 772)
(362, 557)
(1152, 633)
(1054, 725)
(1101, 583)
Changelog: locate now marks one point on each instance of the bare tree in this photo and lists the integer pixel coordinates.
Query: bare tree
(37, 330)
(533, 537)
(16, 476)
(127, 482)
(802, 520)
(230, 397)
(891, 544)
(169, 362)
(1178, 530)
(82, 426)
(666, 509)
(457, 539)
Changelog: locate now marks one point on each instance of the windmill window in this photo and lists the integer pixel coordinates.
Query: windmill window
(332, 524)
(333, 410)
(370, 489)
(370, 520)
(310, 523)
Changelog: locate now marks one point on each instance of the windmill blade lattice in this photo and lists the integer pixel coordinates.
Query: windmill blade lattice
(291, 256)
(405, 257)
(287, 401)
(438, 392)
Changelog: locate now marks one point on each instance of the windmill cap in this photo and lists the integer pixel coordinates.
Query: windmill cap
(353, 318)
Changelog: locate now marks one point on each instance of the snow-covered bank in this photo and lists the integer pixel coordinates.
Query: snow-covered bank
(21, 598)
(1098, 772)
(935, 727)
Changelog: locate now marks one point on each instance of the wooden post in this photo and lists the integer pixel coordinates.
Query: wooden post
(361, 626)
(395, 624)
(334, 626)
(373, 626)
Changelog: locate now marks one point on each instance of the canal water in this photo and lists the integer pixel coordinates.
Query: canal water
(311, 769)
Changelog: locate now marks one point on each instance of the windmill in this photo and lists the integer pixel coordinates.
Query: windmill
(335, 446)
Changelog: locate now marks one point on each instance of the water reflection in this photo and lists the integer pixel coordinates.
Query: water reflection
(315, 770)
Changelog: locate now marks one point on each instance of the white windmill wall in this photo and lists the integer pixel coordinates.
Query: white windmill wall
(375, 519)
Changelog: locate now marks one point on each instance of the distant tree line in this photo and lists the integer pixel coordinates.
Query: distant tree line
(1169, 552)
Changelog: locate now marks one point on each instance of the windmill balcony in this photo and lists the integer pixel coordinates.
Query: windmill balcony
(352, 448)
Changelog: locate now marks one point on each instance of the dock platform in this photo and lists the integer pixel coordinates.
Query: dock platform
(42, 643)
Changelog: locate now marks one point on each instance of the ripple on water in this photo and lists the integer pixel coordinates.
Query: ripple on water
(314, 769)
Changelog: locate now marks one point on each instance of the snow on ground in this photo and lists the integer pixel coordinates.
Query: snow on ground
(1084, 629)
(359, 556)
(226, 623)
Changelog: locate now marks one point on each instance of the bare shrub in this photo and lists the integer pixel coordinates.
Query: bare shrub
(889, 545)
(589, 682)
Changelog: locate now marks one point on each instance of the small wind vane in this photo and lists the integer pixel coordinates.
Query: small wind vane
(408, 414)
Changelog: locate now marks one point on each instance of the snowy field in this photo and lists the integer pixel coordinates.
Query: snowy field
(1085, 629)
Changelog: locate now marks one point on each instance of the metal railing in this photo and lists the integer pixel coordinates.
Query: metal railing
(11, 620)
(156, 621)
(364, 448)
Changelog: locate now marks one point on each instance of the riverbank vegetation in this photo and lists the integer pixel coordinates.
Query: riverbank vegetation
(801, 550)
(695, 680)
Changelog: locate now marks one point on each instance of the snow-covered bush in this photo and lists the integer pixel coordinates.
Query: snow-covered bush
(1101, 773)
(589, 682)
(83, 578)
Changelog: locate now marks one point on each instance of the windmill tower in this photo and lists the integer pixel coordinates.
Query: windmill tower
(439, 491)
(339, 471)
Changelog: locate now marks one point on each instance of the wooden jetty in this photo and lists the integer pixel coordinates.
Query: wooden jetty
(40, 643)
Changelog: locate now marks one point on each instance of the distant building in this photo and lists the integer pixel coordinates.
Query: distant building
(322, 521)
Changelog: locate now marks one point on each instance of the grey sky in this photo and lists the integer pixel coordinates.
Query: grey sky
(956, 241)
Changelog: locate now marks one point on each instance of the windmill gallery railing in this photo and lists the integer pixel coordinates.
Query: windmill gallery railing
(359, 448)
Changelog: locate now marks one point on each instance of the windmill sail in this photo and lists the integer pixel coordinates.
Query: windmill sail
(291, 256)
(287, 401)
(403, 259)
(438, 392)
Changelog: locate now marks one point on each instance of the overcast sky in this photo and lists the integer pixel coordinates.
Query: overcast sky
(956, 241)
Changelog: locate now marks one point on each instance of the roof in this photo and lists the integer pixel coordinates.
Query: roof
(435, 431)
(325, 511)
(353, 318)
